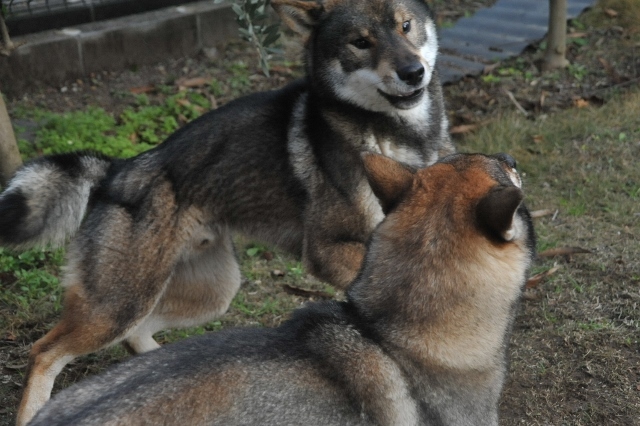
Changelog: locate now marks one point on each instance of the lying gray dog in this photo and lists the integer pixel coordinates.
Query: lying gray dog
(421, 339)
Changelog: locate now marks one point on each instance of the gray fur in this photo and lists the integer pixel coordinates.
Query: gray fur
(56, 200)
(414, 344)
(154, 249)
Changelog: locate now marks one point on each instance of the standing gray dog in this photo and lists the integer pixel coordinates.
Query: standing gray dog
(153, 245)
(421, 340)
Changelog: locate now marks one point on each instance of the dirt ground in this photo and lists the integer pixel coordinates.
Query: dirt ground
(575, 356)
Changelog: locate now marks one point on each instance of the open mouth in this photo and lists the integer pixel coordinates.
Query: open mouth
(403, 101)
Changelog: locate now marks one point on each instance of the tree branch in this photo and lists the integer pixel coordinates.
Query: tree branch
(6, 45)
(10, 158)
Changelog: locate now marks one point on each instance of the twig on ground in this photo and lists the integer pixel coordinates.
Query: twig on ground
(306, 293)
(537, 278)
(563, 251)
(516, 103)
(541, 213)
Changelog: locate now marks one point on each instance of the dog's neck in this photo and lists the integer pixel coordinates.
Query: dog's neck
(372, 131)
(449, 314)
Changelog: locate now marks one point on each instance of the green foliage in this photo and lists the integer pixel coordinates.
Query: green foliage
(138, 128)
(579, 41)
(30, 278)
(490, 78)
(254, 27)
(239, 81)
(296, 269)
(519, 68)
(578, 71)
(257, 308)
(255, 250)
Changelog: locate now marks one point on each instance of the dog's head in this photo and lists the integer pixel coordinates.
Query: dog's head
(480, 194)
(451, 256)
(377, 54)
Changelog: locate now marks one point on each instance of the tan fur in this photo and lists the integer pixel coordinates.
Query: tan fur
(467, 281)
(194, 282)
(421, 339)
(151, 235)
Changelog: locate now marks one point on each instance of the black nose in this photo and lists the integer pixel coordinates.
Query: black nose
(411, 74)
(507, 159)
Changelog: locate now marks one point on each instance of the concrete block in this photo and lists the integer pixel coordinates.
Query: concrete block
(49, 58)
(146, 42)
(217, 25)
(53, 57)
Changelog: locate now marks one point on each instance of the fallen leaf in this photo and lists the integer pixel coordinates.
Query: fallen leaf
(577, 35)
(142, 89)
(537, 278)
(464, 128)
(267, 255)
(541, 213)
(581, 103)
(563, 251)
(611, 71)
(610, 13)
(281, 70)
(183, 102)
(531, 295)
(543, 97)
(296, 291)
(193, 82)
(10, 336)
(538, 138)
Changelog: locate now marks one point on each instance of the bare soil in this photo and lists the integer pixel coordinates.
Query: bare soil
(575, 355)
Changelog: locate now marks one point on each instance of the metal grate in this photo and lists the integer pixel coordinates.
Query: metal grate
(30, 7)
(29, 16)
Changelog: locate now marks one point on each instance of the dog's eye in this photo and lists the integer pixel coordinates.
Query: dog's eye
(406, 26)
(361, 43)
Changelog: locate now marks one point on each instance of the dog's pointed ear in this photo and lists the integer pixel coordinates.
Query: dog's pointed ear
(299, 15)
(389, 179)
(496, 211)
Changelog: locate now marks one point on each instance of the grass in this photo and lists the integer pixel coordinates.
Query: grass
(138, 128)
(583, 324)
(574, 357)
(144, 123)
(575, 351)
(626, 14)
(30, 285)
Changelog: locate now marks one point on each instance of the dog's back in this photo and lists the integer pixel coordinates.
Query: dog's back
(421, 340)
(237, 377)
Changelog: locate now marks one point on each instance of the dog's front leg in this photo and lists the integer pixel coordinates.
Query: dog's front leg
(335, 234)
(334, 261)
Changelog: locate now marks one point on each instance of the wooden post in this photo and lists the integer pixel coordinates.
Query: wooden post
(555, 55)
(10, 158)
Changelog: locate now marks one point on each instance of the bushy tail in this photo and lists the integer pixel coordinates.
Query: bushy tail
(48, 197)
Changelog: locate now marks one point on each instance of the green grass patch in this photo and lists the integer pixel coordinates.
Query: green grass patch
(575, 160)
(627, 15)
(29, 284)
(139, 127)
